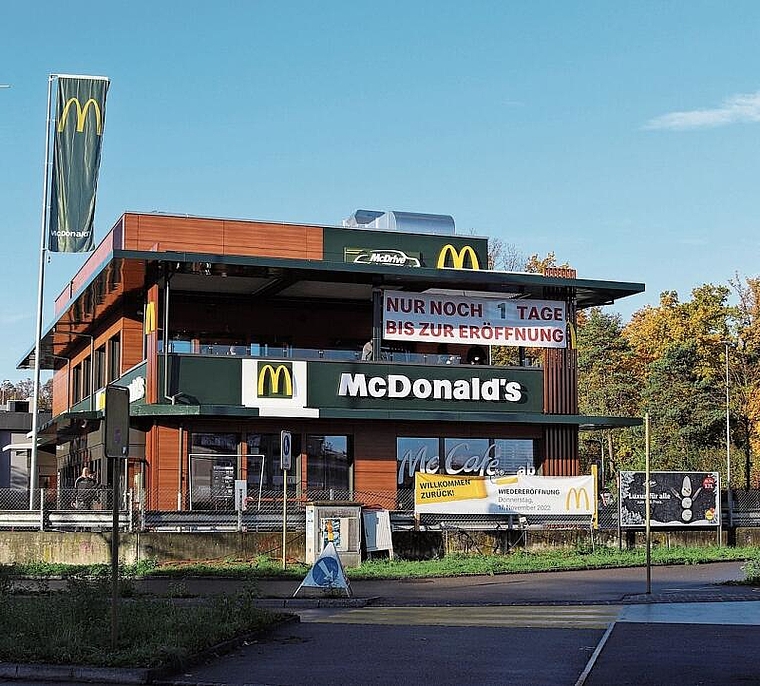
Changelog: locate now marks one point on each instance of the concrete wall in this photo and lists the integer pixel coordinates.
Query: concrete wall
(87, 547)
(95, 547)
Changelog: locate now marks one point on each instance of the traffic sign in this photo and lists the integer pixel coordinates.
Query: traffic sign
(285, 449)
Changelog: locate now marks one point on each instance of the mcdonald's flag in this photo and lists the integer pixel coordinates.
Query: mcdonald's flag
(79, 122)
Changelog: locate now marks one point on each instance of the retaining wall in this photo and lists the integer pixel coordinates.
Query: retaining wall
(87, 547)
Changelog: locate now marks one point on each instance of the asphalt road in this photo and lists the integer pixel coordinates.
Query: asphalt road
(562, 628)
(596, 628)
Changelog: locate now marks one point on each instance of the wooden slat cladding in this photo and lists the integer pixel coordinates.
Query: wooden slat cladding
(561, 381)
(273, 240)
(60, 391)
(560, 451)
(222, 237)
(162, 455)
(561, 389)
(131, 344)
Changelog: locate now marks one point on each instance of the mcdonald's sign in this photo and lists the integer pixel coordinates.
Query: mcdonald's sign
(457, 258)
(81, 115)
(575, 495)
(274, 380)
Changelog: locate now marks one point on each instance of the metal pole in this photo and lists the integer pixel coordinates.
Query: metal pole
(40, 290)
(284, 511)
(115, 552)
(728, 446)
(646, 495)
(92, 372)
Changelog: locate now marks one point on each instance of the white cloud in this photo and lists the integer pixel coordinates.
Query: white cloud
(737, 108)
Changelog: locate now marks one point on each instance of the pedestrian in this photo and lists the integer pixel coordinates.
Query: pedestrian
(85, 490)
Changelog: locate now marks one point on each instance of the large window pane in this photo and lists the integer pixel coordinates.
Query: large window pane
(213, 469)
(514, 454)
(466, 456)
(263, 463)
(415, 455)
(329, 463)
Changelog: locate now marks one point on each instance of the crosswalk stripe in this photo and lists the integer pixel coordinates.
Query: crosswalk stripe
(574, 616)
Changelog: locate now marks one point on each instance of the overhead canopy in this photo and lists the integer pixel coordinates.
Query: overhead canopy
(123, 274)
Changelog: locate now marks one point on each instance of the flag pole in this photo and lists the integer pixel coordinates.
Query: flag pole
(33, 480)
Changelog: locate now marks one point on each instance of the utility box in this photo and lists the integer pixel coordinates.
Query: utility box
(336, 522)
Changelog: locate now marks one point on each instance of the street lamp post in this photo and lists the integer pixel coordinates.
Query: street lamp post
(728, 443)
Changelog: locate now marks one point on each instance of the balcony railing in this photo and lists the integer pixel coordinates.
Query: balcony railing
(257, 350)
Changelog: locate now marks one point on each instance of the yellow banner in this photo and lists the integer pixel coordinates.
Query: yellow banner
(437, 488)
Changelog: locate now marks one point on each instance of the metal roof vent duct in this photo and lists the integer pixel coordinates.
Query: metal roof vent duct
(410, 222)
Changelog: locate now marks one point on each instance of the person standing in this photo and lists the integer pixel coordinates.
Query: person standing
(85, 490)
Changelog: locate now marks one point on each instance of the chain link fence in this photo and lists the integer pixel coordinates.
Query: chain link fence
(263, 511)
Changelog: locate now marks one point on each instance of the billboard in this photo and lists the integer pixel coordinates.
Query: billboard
(461, 319)
(676, 499)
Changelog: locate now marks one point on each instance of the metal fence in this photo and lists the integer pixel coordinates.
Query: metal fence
(65, 509)
(70, 509)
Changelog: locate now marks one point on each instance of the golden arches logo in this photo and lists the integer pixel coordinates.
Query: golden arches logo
(457, 257)
(275, 382)
(572, 336)
(149, 325)
(81, 115)
(577, 494)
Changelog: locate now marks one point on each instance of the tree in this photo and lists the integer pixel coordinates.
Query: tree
(744, 373)
(538, 265)
(605, 371)
(24, 390)
(685, 410)
(505, 256)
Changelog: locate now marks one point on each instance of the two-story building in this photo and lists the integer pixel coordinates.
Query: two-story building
(369, 342)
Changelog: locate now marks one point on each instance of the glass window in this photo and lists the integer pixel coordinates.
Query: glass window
(213, 470)
(514, 454)
(329, 462)
(415, 455)
(100, 367)
(114, 358)
(76, 383)
(263, 463)
(86, 376)
(467, 456)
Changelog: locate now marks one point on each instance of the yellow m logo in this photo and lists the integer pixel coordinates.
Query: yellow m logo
(577, 493)
(572, 335)
(275, 382)
(81, 115)
(149, 325)
(457, 257)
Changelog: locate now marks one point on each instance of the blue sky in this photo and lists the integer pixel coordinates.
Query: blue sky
(625, 137)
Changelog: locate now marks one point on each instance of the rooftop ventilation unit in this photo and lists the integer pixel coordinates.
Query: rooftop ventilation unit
(408, 222)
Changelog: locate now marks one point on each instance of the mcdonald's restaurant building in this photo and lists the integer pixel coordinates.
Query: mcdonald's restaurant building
(371, 343)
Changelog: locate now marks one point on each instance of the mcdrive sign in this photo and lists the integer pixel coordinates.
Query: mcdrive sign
(436, 318)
